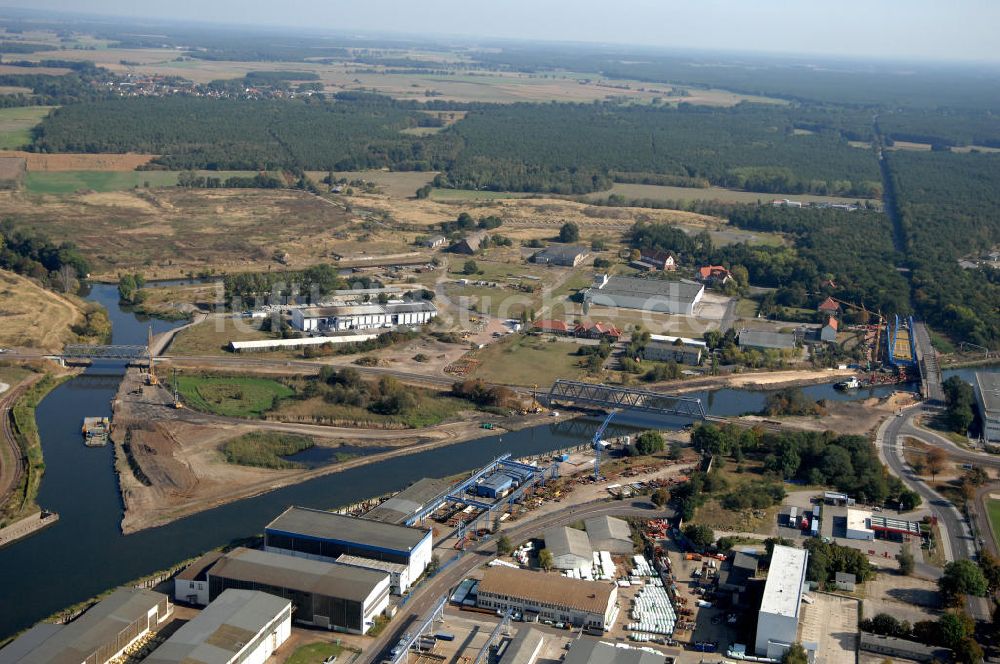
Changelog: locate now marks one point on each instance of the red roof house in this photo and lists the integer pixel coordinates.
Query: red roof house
(829, 305)
(552, 326)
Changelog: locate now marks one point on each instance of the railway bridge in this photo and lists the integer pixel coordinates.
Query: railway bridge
(624, 398)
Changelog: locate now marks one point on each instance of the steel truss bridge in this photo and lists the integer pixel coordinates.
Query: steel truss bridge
(609, 398)
(81, 351)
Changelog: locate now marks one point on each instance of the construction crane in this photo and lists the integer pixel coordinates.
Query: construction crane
(151, 376)
(177, 398)
(878, 325)
(597, 443)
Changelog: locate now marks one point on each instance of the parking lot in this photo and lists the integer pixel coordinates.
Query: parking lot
(832, 622)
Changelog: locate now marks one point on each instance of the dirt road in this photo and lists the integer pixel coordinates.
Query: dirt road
(11, 473)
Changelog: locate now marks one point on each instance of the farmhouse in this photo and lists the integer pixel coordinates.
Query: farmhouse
(655, 259)
(715, 275)
(363, 316)
(552, 326)
(656, 295)
(829, 306)
(540, 596)
(567, 255)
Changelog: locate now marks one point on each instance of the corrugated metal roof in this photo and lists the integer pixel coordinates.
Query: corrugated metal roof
(766, 339)
(590, 596)
(524, 648)
(302, 574)
(563, 541)
(196, 570)
(337, 527)
(988, 387)
(682, 291)
(585, 651)
(368, 563)
(222, 630)
(607, 527)
(410, 500)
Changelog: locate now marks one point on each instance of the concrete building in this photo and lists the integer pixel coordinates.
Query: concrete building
(828, 332)
(859, 525)
(100, 635)
(735, 577)
(326, 536)
(566, 255)
(988, 398)
(780, 608)
(191, 585)
(664, 348)
(607, 533)
(469, 244)
(363, 316)
(656, 295)
(337, 597)
(240, 626)
(570, 548)
(540, 596)
(766, 340)
(410, 500)
(588, 651)
(399, 578)
(523, 648)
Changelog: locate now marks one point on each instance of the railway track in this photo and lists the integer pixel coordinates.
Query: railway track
(10, 477)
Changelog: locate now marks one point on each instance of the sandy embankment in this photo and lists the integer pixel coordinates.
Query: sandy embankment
(766, 380)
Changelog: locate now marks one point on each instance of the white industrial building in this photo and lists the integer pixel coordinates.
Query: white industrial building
(242, 626)
(859, 525)
(363, 316)
(191, 585)
(780, 608)
(607, 533)
(656, 295)
(541, 596)
(570, 549)
(988, 398)
(664, 348)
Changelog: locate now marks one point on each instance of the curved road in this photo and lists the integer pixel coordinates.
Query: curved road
(424, 598)
(10, 477)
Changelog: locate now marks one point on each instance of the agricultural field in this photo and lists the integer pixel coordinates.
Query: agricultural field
(231, 396)
(32, 316)
(664, 193)
(68, 182)
(528, 360)
(474, 195)
(16, 124)
(395, 184)
(38, 161)
(170, 232)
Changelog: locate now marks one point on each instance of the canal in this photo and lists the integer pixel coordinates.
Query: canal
(85, 553)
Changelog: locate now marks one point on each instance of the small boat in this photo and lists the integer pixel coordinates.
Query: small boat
(851, 383)
(95, 431)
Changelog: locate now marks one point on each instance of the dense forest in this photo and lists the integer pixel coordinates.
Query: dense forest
(35, 255)
(942, 128)
(947, 204)
(572, 148)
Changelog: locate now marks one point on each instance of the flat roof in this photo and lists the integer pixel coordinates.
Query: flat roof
(766, 339)
(498, 480)
(555, 589)
(410, 500)
(222, 630)
(328, 526)
(523, 648)
(858, 520)
(988, 387)
(586, 651)
(607, 527)
(895, 525)
(783, 589)
(367, 309)
(302, 574)
(667, 339)
(369, 563)
(196, 570)
(633, 286)
(566, 541)
(75, 642)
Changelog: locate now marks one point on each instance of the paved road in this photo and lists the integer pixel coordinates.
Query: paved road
(957, 539)
(424, 598)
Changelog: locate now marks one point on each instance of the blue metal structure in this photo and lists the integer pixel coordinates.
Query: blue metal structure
(597, 443)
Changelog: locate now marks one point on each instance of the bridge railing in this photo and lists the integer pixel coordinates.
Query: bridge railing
(607, 396)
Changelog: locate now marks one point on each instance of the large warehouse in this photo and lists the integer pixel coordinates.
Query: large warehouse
(607, 533)
(410, 500)
(988, 398)
(780, 608)
(657, 295)
(570, 548)
(540, 596)
(320, 535)
(239, 626)
(98, 636)
(337, 597)
(362, 316)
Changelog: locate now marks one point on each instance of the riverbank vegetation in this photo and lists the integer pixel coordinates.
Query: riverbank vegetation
(264, 449)
(231, 396)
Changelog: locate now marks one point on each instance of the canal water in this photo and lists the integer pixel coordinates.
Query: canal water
(85, 553)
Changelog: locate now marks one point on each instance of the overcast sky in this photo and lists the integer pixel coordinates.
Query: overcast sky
(925, 29)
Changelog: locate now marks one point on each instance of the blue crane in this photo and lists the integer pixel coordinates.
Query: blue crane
(597, 443)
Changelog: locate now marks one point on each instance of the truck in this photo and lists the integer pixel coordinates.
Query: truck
(793, 514)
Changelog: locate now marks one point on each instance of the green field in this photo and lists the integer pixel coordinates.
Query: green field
(529, 360)
(664, 193)
(231, 396)
(314, 653)
(264, 449)
(993, 510)
(16, 124)
(68, 182)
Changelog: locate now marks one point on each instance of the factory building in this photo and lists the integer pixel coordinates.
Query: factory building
(409, 501)
(607, 533)
(656, 295)
(191, 585)
(399, 576)
(588, 651)
(780, 608)
(362, 316)
(239, 626)
(495, 486)
(858, 527)
(100, 635)
(523, 648)
(326, 536)
(540, 596)
(337, 597)
(570, 548)
(988, 399)
(663, 348)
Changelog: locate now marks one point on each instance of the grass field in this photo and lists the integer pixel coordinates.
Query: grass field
(212, 336)
(33, 317)
(264, 449)
(231, 396)
(528, 360)
(664, 193)
(41, 161)
(68, 182)
(396, 184)
(16, 124)
(430, 409)
(446, 195)
(314, 653)
(993, 510)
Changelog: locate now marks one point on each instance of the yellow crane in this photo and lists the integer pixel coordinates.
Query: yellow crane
(151, 374)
